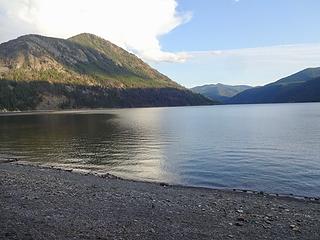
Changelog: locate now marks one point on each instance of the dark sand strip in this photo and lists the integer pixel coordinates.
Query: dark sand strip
(43, 203)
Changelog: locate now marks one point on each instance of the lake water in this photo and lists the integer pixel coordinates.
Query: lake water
(273, 148)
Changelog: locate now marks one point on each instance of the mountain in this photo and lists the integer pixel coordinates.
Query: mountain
(219, 91)
(85, 71)
(303, 86)
(299, 77)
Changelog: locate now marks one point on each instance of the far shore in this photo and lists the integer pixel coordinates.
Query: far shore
(4, 112)
(53, 203)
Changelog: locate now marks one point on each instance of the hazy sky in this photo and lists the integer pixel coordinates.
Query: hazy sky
(192, 41)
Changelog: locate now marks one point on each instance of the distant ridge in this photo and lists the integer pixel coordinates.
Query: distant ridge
(219, 92)
(85, 71)
(303, 86)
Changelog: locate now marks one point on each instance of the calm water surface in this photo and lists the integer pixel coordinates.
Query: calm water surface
(274, 148)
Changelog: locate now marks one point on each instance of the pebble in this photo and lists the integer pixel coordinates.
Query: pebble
(164, 184)
(81, 171)
(294, 227)
(267, 221)
(266, 226)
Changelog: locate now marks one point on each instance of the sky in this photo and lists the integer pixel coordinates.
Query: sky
(194, 42)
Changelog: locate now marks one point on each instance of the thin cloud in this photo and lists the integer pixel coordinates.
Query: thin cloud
(254, 66)
(291, 52)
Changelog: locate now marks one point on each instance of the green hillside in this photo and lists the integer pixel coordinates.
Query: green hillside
(220, 92)
(50, 73)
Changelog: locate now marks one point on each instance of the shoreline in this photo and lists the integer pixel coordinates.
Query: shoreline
(105, 174)
(47, 203)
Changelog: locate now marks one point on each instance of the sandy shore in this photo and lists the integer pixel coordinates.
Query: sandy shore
(43, 203)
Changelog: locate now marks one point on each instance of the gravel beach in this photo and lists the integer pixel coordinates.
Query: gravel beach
(44, 203)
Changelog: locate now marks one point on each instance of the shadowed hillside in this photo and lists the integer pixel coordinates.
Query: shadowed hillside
(39, 95)
(303, 86)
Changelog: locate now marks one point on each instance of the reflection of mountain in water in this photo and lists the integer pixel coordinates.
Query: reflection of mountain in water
(104, 140)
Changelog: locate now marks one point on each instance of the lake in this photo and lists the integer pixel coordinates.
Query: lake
(267, 147)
